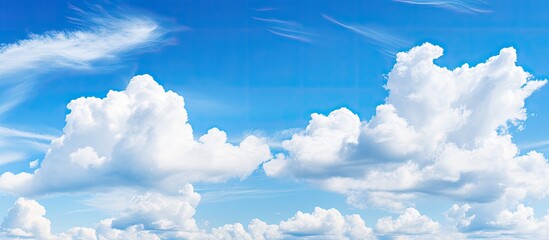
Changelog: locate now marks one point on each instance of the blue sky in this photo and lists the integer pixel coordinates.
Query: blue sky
(310, 106)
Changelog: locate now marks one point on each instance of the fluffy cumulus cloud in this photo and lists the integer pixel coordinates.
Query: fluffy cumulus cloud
(319, 224)
(326, 224)
(148, 215)
(443, 132)
(331, 224)
(26, 220)
(520, 223)
(160, 216)
(160, 212)
(411, 222)
(136, 137)
(145, 215)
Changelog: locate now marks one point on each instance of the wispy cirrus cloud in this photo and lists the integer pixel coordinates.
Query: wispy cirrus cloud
(266, 9)
(105, 37)
(387, 43)
(532, 145)
(463, 6)
(101, 36)
(15, 144)
(10, 132)
(287, 29)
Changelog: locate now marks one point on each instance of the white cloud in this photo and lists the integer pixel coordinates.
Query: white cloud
(33, 164)
(459, 216)
(518, 224)
(325, 224)
(104, 230)
(136, 137)
(78, 233)
(26, 220)
(411, 222)
(230, 231)
(260, 230)
(156, 211)
(86, 157)
(440, 132)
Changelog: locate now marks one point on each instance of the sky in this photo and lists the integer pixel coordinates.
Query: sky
(183, 119)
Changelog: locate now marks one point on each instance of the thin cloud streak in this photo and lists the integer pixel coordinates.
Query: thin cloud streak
(14, 94)
(463, 6)
(388, 43)
(274, 20)
(10, 132)
(231, 194)
(302, 39)
(9, 157)
(15, 144)
(533, 145)
(266, 9)
(287, 29)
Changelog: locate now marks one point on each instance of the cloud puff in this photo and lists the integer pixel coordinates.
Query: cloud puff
(459, 215)
(322, 223)
(155, 211)
(521, 223)
(26, 220)
(440, 132)
(148, 215)
(136, 137)
(411, 222)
